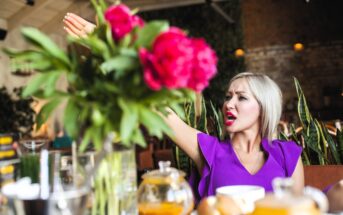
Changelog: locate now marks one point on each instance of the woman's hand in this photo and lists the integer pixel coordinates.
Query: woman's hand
(76, 26)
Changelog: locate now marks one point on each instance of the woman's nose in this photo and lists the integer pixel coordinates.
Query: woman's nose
(230, 104)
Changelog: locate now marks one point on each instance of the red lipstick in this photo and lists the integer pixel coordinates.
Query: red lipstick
(230, 118)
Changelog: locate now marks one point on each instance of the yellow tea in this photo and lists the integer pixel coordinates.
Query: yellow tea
(164, 208)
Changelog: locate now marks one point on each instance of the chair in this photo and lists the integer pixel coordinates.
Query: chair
(164, 155)
(322, 176)
(144, 158)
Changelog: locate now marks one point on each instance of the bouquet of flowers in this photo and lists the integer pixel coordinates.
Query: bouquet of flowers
(132, 71)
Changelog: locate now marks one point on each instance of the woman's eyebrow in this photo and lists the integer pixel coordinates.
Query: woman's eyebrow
(236, 92)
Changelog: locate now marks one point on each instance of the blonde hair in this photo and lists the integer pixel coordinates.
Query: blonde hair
(269, 96)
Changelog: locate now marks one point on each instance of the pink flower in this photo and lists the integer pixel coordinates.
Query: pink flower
(204, 65)
(178, 62)
(170, 62)
(121, 20)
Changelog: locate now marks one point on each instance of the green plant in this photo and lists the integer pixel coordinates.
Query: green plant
(198, 116)
(109, 88)
(16, 113)
(319, 146)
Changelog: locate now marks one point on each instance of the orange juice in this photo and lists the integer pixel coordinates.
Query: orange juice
(164, 208)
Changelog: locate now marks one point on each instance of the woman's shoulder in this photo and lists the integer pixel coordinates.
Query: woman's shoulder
(284, 145)
(208, 138)
(286, 153)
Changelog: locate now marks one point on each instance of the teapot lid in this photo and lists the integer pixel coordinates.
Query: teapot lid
(165, 173)
(284, 197)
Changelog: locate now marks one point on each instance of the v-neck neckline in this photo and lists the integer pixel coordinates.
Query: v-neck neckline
(263, 142)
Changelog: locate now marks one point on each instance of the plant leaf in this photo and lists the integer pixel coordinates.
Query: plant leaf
(332, 145)
(46, 111)
(153, 122)
(148, 33)
(120, 63)
(35, 84)
(129, 120)
(303, 111)
(71, 114)
(138, 138)
(40, 40)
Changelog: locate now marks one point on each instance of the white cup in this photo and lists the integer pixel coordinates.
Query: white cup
(244, 195)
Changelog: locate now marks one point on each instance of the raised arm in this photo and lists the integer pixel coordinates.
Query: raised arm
(185, 137)
(76, 26)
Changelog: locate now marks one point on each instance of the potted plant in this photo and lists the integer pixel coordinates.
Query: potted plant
(126, 80)
(322, 148)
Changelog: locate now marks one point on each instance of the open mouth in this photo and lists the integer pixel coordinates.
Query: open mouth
(230, 118)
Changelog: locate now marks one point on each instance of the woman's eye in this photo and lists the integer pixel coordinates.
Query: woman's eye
(227, 98)
(242, 98)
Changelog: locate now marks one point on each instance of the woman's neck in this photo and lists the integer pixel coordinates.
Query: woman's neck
(249, 143)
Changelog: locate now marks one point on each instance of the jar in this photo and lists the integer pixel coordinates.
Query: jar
(285, 202)
(165, 191)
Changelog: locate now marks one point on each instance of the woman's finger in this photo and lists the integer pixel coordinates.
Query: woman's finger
(78, 25)
(75, 30)
(77, 18)
(70, 32)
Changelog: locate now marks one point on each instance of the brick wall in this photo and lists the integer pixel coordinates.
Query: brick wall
(271, 27)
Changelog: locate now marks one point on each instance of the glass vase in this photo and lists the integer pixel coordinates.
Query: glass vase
(115, 183)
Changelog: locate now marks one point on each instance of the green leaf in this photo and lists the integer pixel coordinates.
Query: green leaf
(147, 34)
(311, 136)
(119, 63)
(86, 140)
(178, 110)
(293, 134)
(153, 122)
(46, 111)
(332, 145)
(129, 120)
(202, 120)
(303, 111)
(71, 113)
(50, 83)
(109, 38)
(138, 138)
(40, 40)
(282, 136)
(339, 136)
(35, 84)
(130, 52)
(97, 118)
(218, 118)
(125, 41)
(99, 12)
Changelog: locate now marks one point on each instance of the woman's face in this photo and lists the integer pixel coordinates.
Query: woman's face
(241, 110)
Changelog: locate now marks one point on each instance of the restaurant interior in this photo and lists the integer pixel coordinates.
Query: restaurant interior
(297, 43)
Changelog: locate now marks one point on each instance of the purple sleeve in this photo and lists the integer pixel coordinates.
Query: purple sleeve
(291, 154)
(200, 183)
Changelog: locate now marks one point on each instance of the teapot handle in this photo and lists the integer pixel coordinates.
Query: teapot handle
(318, 197)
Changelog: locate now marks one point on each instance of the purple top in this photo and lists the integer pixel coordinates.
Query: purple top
(222, 166)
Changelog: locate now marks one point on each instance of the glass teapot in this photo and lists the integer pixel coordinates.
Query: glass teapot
(285, 202)
(165, 191)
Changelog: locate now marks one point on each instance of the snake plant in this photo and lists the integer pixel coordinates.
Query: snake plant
(319, 146)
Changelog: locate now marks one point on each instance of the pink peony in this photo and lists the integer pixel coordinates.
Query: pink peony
(121, 20)
(170, 62)
(204, 65)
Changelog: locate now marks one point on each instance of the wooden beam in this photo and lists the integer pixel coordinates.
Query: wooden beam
(55, 24)
(17, 18)
(146, 5)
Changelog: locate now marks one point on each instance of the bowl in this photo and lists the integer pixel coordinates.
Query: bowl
(244, 195)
